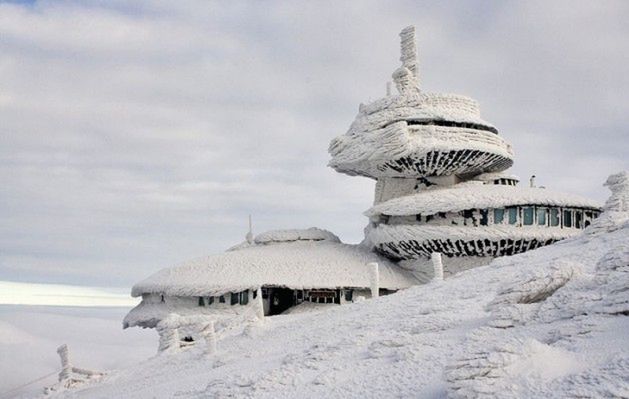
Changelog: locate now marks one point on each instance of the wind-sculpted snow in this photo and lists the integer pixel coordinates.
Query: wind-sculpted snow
(549, 323)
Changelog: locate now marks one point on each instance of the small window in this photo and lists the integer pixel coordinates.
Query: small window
(234, 298)
(513, 215)
(499, 216)
(255, 294)
(484, 217)
(221, 299)
(201, 301)
(348, 295)
(528, 215)
(554, 217)
(429, 218)
(244, 297)
(541, 216)
(567, 218)
(210, 300)
(578, 219)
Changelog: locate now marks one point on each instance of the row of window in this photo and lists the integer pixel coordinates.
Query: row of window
(463, 125)
(235, 298)
(515, 215)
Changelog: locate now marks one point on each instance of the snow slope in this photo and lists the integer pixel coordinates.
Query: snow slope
(547, 323)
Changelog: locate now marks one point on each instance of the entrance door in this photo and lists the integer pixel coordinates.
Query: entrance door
(281, 299)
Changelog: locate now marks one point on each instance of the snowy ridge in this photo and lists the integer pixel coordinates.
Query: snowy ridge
(471, 195)
(297, 265)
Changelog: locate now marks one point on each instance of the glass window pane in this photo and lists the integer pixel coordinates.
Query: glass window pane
(527, 216)
(541, 216)
(554, 217)
(483, 217)
(578, 218)
(513, 215)
(567, 218)
(244, 297)
(499, 215)
(234, 298)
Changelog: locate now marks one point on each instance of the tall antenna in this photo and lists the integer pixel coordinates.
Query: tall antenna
(249, 236)
(406, 77)
(408, 51)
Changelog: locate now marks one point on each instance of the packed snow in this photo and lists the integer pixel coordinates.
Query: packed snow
(546, 323)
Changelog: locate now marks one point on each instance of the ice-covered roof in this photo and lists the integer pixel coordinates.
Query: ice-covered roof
(381, 131)
(297, 265)
(475, 195)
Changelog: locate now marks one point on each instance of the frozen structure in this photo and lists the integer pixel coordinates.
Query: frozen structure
(275, 271)
(441, 180)
(443, 203)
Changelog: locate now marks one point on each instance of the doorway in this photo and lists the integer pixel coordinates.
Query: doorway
(280, 300)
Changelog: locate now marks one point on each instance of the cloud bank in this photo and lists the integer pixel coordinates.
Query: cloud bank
(135, 136)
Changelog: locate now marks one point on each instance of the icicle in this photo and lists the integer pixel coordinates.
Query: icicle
(374, 279)
(437, 265)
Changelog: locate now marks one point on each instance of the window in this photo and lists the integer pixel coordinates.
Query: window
(221, 299)
(578, 219)
(483, 217)
(541, 216)
(429, 218)
(499, 216)
(255, 294)
(567, 218)
(348, 295)
(201, 301)
(554, 217)
(210, 300)
(513, 215)
(528, 214)
(244, 297)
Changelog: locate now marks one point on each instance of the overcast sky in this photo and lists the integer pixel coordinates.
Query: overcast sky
(136, 136)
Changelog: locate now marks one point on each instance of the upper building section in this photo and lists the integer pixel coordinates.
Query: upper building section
(416, 134)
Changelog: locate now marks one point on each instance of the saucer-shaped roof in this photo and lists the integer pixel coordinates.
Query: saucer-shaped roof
(398, 135)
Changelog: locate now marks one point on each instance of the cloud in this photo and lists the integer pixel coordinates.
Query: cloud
(135, 136)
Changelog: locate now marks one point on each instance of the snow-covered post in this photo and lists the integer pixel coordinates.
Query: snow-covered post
(259, 304)
(66, 367)
(374, 279)
(168, 333)
(210, 338)
(437, 265)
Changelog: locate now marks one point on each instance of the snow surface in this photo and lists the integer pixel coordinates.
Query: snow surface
(30, 335)
(297, 265)
(547, 323)
(475, 195)
(311, 234)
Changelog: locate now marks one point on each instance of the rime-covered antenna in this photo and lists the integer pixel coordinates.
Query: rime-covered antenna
(249, 236)
(408, 48)
(406, 77)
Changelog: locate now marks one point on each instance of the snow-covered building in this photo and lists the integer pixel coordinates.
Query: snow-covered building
(441, 187)
(284, 267)
(441, 184)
